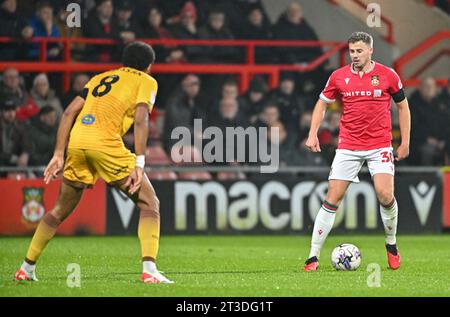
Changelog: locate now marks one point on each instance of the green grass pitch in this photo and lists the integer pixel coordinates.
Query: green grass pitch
(226, 266)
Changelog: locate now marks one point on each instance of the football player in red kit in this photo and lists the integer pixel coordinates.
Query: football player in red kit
(365, 88)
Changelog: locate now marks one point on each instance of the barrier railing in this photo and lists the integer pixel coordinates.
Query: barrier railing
(426, 45)
(243, 169)
(245, 70)
(433, 59)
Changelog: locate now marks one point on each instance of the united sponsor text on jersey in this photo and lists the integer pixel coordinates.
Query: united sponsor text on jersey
(375, 93)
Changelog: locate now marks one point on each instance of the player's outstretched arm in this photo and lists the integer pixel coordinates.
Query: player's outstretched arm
(317, 117)
(57, 162)
(140, 143)
(404, 118)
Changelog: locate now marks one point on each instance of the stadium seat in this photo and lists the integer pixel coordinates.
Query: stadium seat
(223, 176)
(155, 155)
(185, 155)
(17, 176)
(194, 175)
(165, 175)
(156, 125)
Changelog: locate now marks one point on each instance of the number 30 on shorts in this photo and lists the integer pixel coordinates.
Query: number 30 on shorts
(387, 157)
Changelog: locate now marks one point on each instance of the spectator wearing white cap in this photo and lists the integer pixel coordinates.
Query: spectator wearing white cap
(43, 95)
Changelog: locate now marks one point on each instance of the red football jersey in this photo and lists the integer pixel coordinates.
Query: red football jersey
(366, 118)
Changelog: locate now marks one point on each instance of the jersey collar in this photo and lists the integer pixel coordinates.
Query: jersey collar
(370, 69)
(133, 69)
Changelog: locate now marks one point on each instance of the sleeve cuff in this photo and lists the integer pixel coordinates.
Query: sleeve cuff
(84, 93)
(327, 100)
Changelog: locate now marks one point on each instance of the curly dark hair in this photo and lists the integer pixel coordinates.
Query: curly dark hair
(138, 55)
(361, 36)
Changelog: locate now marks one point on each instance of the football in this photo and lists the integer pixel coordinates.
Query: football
(346, 257)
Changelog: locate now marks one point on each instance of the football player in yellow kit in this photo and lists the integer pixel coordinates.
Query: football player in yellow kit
(90, 133)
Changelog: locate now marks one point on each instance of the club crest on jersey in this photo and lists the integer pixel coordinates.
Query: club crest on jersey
(88, 119)
(33, 204)
(347, 80)
(375, 81)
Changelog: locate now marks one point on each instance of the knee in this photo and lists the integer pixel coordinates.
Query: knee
(385, 196)
(54, 218)
(57, 213)
(149, 213)
(336, 192)
(149, 203)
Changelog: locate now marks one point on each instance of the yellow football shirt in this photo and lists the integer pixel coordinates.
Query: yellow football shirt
(109, 108)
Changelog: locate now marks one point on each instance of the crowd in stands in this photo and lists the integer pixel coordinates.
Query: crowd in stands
(32, 104)
(28, 121)
(126, 20)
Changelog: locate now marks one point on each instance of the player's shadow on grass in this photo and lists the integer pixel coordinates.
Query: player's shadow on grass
(196, 272)
(227, 272)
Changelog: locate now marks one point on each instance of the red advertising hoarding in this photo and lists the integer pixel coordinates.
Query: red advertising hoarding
(100, 212)
(24, 202)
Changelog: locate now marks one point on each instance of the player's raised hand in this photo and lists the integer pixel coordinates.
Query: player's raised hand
(402, 152)
(134, 180)
(53, 168)
(312, 143)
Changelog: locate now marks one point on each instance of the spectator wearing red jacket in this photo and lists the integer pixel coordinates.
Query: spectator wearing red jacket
(12, 89)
